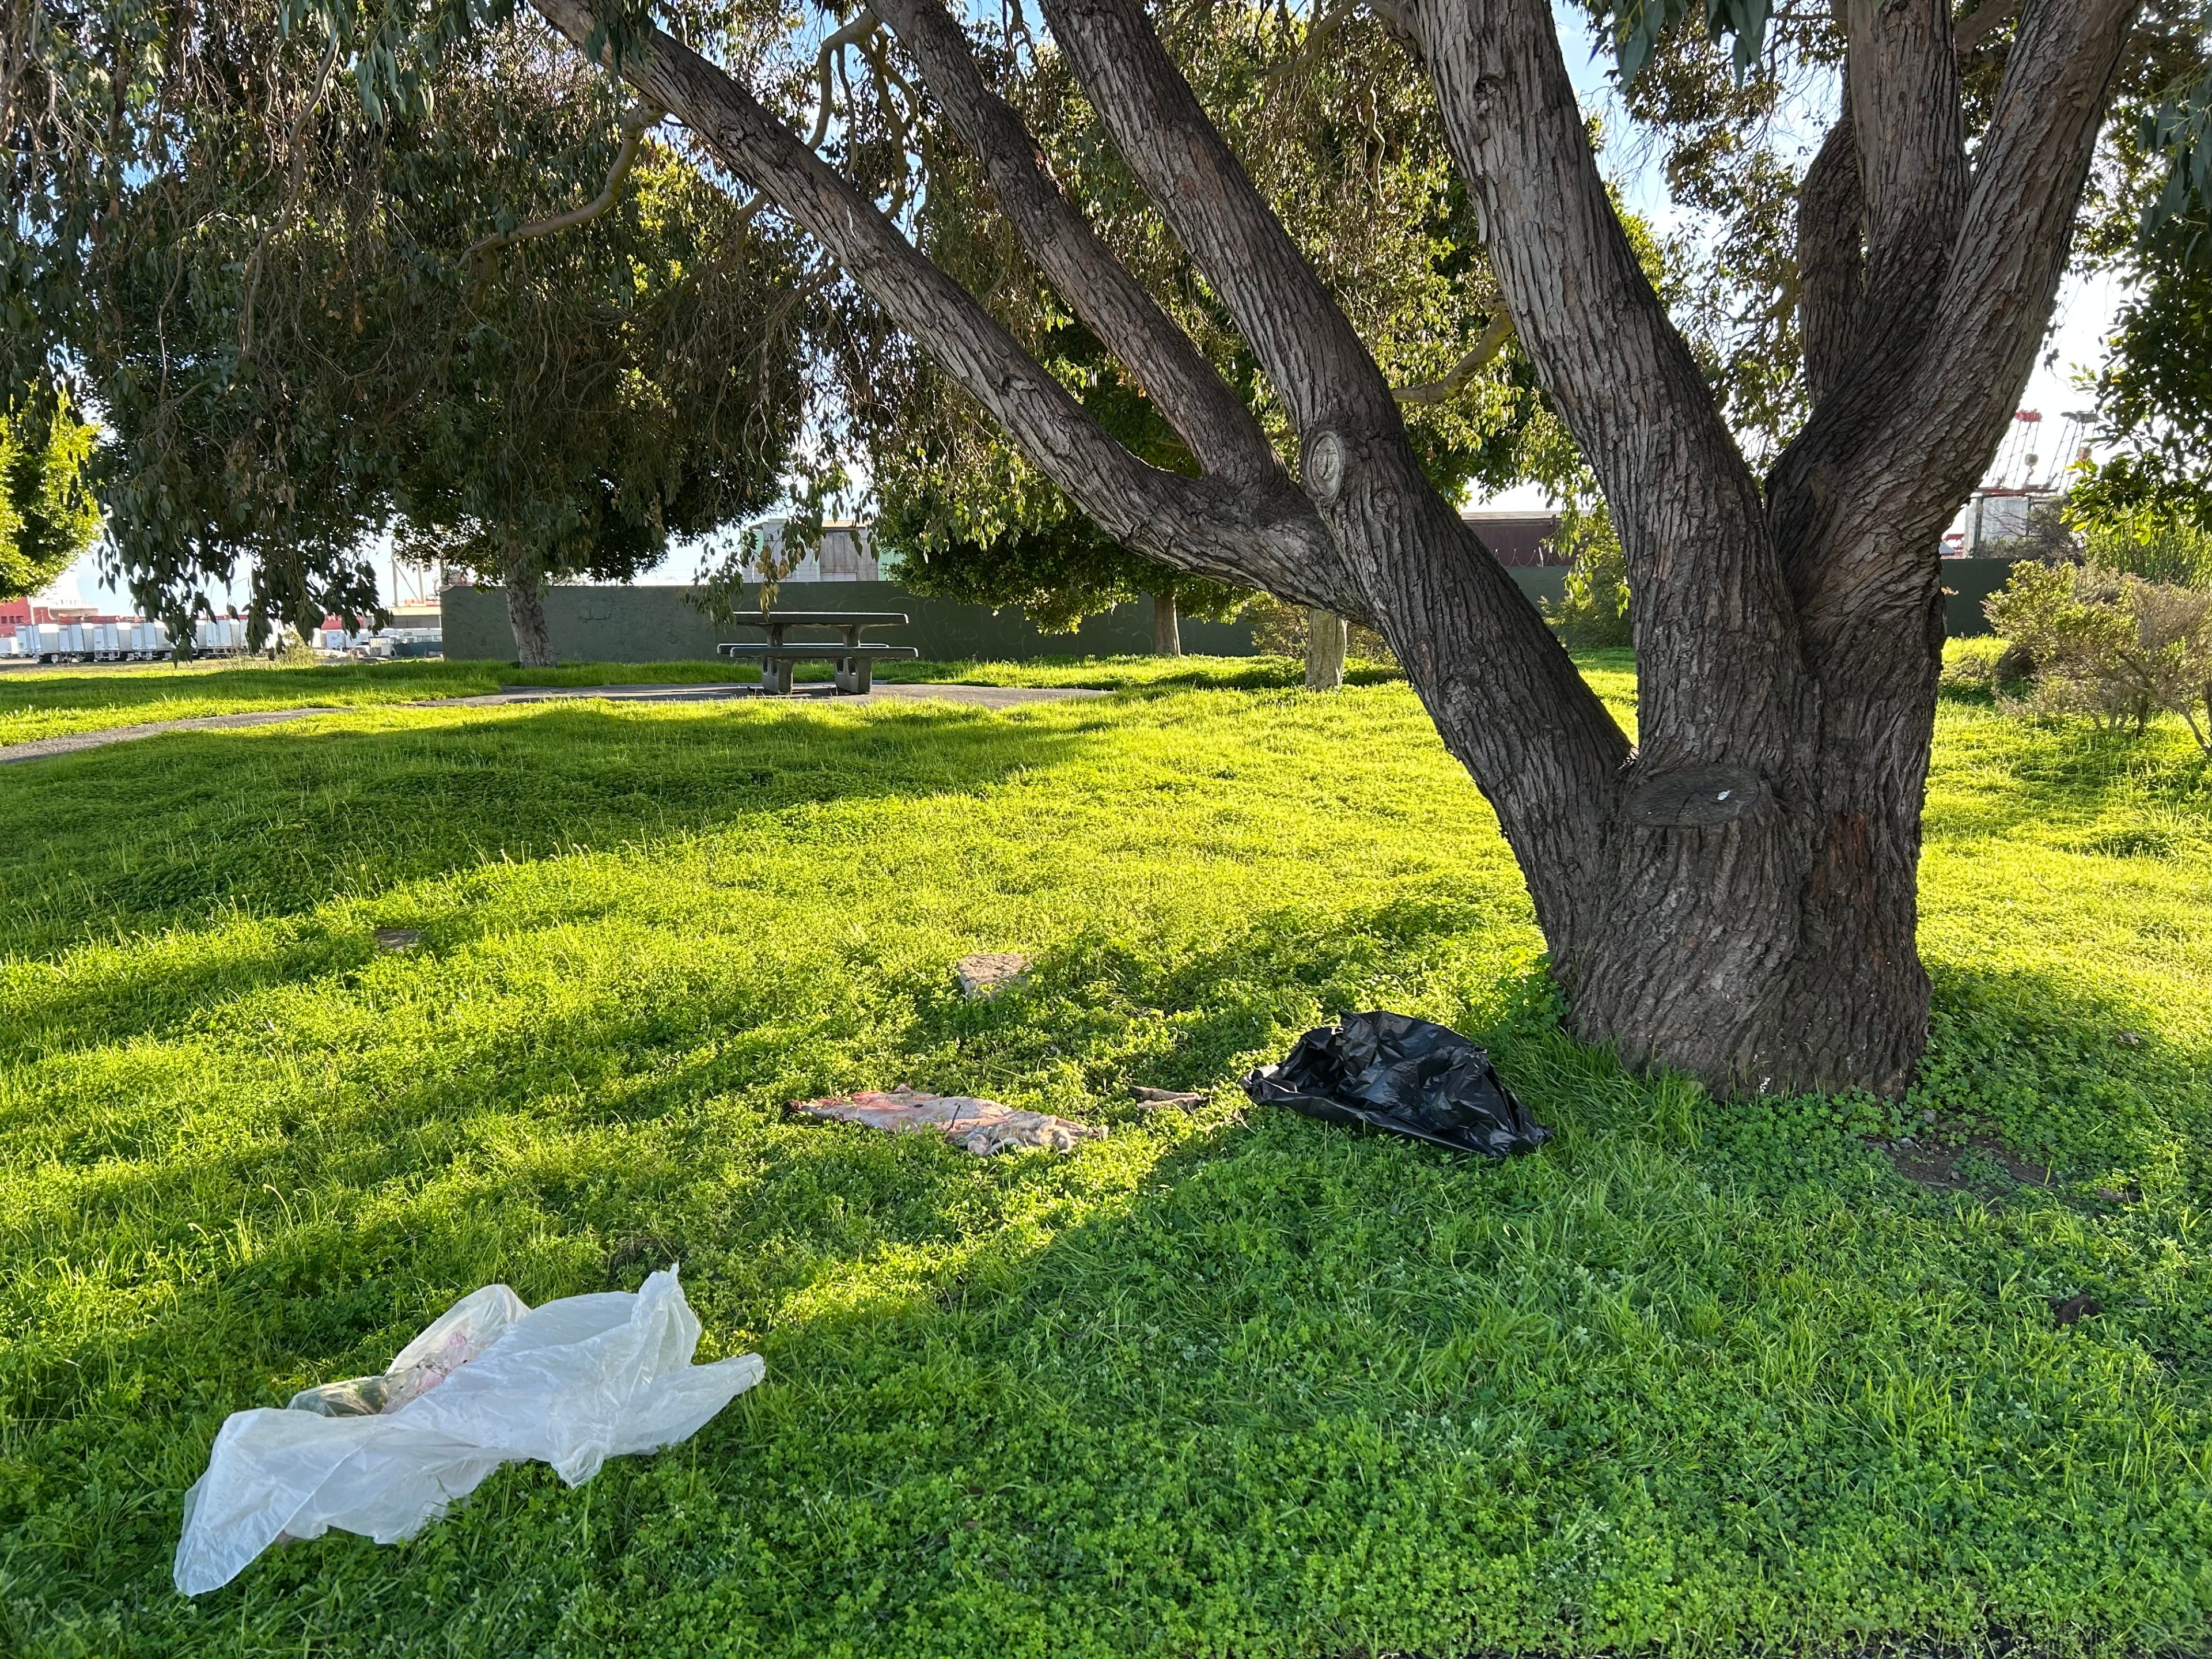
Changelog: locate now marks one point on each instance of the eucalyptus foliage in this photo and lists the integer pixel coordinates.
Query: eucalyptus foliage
(265, 245)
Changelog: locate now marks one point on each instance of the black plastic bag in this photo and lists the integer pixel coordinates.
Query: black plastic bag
(1405, 1075)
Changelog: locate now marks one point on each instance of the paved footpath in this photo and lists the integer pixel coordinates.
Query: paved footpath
(40, 748)
(980, 697)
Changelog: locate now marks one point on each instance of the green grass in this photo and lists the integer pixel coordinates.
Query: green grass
(51, 702)
(1694, 1379)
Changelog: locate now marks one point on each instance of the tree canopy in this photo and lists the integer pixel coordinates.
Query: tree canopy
(308, 312)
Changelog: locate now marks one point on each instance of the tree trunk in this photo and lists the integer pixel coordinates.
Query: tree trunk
(1326, 636)
(525, 612)
(1167, 633)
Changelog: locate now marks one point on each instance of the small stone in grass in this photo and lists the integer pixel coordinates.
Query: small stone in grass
(399, 939)
(2076, 1308)
(987, 975)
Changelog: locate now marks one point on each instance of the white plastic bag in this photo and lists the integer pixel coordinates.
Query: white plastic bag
(572, 1383)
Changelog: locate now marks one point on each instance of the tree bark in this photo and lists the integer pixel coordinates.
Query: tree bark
(1327, 637)
(1830, 218)
(1734, 896)
(525, 613)
(1167, 632)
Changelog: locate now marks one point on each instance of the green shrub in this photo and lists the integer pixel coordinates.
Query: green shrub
(1971, 664)
(2111, 645)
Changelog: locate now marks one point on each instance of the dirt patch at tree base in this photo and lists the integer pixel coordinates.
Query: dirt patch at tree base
(1937, 1167)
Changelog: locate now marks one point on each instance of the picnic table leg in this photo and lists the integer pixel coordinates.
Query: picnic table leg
(775, 676)
(851, 673)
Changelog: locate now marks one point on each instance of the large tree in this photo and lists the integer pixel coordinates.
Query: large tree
(1733, 893)
(2154, 396)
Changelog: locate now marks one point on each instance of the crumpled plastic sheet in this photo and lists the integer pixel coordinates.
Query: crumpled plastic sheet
(1407, 1076)
(571, 1383)
(982, 1126)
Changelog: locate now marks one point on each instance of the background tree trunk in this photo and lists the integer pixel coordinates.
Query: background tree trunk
(1167, 633)
(526, 612)
(1327, 636)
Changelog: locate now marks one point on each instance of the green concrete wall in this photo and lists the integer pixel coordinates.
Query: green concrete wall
(660, 624)
(1966, 583)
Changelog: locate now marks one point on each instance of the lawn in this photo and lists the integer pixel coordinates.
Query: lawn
(1694, 1379)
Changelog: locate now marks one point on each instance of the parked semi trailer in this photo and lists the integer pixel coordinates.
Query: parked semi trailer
(131, 640)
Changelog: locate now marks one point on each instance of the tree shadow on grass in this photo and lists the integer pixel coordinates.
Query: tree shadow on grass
(1198, 1012)
(676, 1058)
(2007, 777)
(2080, 1081)
(141, 838)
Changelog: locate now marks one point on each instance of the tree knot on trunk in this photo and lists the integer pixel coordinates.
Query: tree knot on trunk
(1331, 452)
(1693, 798)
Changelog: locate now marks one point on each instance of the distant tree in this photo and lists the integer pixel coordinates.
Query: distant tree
(496, 317)
(1593, 609)
(2046, 536)
(619, 382)
(48, 514)
(2154, 396)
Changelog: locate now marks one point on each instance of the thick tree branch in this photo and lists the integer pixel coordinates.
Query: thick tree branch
(2017, 225)
(1978, 24)
(1905, 436)
(1831, 216)
(1196, 525)
(1831, 212)
(1715, 625)
(1903, 96)
(1318, 363)
(1210, 417)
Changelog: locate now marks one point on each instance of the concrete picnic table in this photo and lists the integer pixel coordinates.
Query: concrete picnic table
(853, 661)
